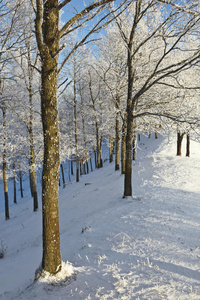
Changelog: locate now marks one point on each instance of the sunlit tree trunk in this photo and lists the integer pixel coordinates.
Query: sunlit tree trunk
(49, 47)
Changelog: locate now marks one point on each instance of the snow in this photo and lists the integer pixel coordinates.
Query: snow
(141, 247)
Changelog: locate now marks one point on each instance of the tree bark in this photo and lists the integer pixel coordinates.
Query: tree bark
(129, 111)
(128, 164)
(49, 49)
(179, 142)
(188, 146)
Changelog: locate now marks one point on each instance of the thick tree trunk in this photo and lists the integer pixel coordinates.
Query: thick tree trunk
(129, 110)
(49, 48)
(188, 146)
(179, 142)
(128, 165)
(5, 164)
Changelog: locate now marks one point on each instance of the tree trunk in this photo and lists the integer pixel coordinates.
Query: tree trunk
(75, 126)
(117, 144)
(179, 142)
(21, 183)
(123, 146)
(111, 149)
(5, 164)
(63, 175)
(95, 158)
(98, 146)
(128, 165)
(87, 167)
(156, 135)
(30, 179)
(91, 164)
(129, 110)
(72, 168)
(69, 169)
(14, 182)
(134, 145)
(101, 155)
(49, 49)
(188, 146)
(33, 177)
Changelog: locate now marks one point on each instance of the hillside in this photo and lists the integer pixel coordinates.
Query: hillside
(142, 247)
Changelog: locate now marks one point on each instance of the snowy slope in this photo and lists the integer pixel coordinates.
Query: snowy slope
(144, 247)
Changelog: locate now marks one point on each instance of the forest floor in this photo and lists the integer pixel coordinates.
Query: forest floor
(141, 247)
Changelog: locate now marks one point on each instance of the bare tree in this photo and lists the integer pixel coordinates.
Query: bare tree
(48, 37)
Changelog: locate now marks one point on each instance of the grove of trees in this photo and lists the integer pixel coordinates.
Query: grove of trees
(77, 74)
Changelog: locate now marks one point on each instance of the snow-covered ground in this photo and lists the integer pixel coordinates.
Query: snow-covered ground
(144, 247)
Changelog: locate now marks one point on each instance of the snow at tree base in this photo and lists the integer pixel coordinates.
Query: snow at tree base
(141, 247)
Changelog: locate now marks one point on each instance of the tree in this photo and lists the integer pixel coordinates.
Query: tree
(145, 29)
(48, 37)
